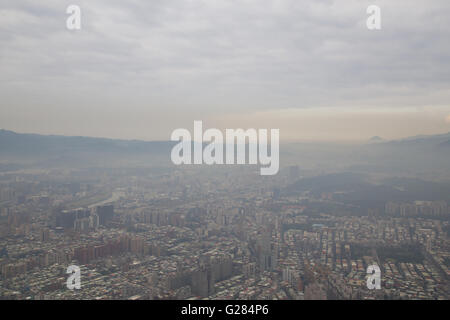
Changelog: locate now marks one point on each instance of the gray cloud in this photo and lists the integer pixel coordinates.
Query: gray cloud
(141, 68)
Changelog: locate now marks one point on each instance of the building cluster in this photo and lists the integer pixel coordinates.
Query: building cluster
(231, 235)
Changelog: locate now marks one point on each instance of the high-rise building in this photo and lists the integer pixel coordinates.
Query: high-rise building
(203, 282)
(105, 214)
(44, 235)
(268, 253)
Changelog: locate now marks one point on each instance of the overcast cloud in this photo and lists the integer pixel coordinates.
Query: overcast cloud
(139, 69)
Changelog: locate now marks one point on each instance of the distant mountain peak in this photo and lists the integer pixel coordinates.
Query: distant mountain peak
(376, 139)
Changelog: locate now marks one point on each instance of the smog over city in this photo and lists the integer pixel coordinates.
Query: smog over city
(235, 151)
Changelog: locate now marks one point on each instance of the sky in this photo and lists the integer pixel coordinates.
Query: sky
(141, 69)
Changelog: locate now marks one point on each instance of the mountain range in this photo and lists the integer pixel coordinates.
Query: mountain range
(425, 153)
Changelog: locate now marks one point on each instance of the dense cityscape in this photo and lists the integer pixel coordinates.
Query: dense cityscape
(205, 233)
(224, 158)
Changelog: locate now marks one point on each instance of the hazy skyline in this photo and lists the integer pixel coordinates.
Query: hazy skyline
(140, 69)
